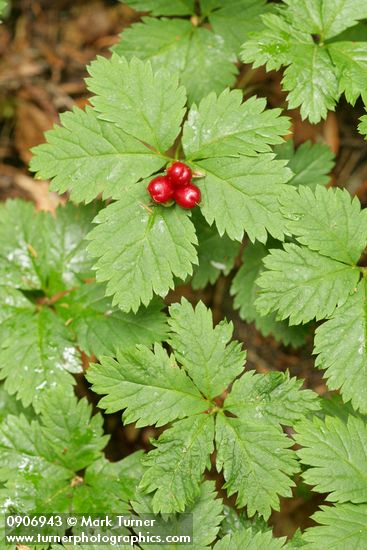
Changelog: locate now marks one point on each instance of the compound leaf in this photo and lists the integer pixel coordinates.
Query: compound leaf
(329, 221)
(310, 162)
(132, 96)
(88, 156)
(245, 291)
(207, 354)
(302, 285)
(273, 398)
(341, 526)
(201, 59)
(100, 328)
(224, 126)
(241, 194)
(176, 466)
(234, 19)
(341, 346)
(140, 378)
(140, 249)
(350, 60)
(335, 453)
(256, 463)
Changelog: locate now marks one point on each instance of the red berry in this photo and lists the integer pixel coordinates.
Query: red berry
(188, 196)
(161, 189)
(179, 174)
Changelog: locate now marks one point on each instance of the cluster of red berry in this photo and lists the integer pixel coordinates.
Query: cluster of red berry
(175, 185)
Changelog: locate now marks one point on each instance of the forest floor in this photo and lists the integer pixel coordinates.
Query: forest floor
(44, 49)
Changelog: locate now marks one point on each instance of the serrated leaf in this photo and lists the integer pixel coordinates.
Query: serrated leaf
(341, 346)
(245, 538)
(256, 463)
(216, 254)
(329, 221)
(88, 156)
(42, 252)
(336, 454)
(273, 47)
(245, 291)
(272, 398)
(118, 480)
(206, 516)
(132, 96)
(326, 17)
(207, 354)
(10, 405)
(201, 59)
(140, 249)
(73, 438)
(236, 18)
(41, 356)
(139, 378)
(302, 285)
(350, 60)
(55, 444)
(163, 7)
(343, 526)
(362, 127)
(241, 194)
(311, 82)
(310, 162)
(176, 466)
(100, 328)
(224, 126)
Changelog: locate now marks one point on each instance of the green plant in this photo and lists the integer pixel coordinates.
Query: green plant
(83, 290)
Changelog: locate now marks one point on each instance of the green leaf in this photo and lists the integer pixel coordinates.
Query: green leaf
(216, 254)
(362, 127)
(245, 291)
(273, 47)
(329, 221)
(201, 59)
(74, 438)
(42, 252)
(310, 163)
(236, 18)
(66, 440)
(350, 60)
(206, 513)
(138, 376)
(245, 538)
(326, 17)
(207, 354)
(335, 453)
(140, 249)
(100, 328)
(88, 156)
(272, 398)
(256, 463)
(118, 480)
(41, 356)
(343, 526)
(224, 126)
(311, 82)
(302, 285)
(163, 7)
(241, 194)
(10, 405)
(176, 466)
(342, 349)
(132, 96)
